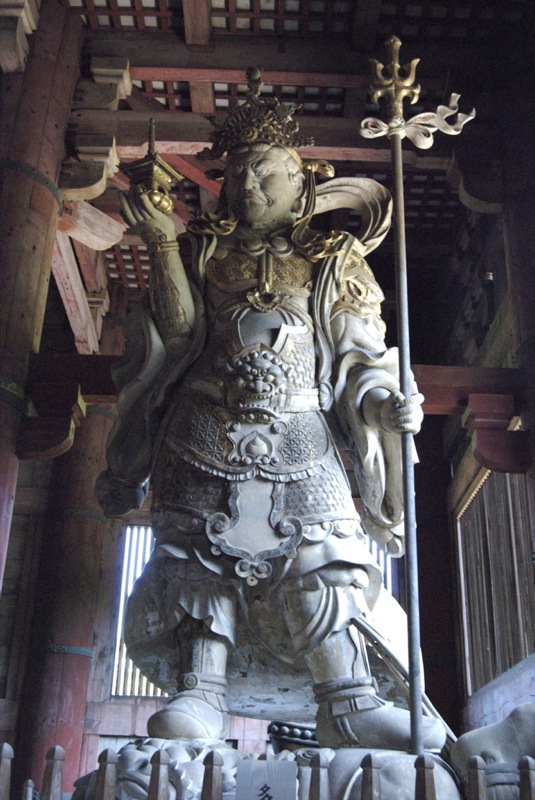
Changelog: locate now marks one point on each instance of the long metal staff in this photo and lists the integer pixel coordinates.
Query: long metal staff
(395, 83)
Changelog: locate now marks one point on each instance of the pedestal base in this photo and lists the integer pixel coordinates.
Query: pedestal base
(394, 769)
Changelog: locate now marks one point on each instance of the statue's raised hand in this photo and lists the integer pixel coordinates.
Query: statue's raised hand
(144, 217)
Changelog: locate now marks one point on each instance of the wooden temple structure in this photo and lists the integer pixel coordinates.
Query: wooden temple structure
(80, 80)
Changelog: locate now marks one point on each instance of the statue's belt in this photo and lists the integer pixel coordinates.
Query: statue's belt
(291, 400)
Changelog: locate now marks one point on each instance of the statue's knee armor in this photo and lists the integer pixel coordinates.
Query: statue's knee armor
(340, 574)
(317, 608)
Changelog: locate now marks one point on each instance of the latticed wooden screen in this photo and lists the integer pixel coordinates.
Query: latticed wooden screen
(495, 550)
(127, 679)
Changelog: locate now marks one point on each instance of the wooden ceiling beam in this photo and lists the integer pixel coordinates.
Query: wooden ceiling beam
(161, 50)
(447, 389)
(197, 22)
(158, 49)
(361, 157)
(286, 78)
(182, 133)
(88, 225)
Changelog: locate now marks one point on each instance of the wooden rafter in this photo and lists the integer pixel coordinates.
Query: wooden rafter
(446, 389)
(92, 266)
(158, 49)
(72, 293)
(202, 97)
(194, 170)
(138, 101)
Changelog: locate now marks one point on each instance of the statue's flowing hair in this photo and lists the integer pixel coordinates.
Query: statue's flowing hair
(312, 244)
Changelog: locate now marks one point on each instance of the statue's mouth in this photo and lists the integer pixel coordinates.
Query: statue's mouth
(249, 195)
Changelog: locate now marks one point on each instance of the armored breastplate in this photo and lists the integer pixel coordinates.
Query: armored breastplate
(260, 354)
(233, 272)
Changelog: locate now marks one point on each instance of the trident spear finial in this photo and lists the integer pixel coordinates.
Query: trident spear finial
(395, 82)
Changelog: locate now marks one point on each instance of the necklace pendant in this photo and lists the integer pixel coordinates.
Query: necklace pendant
(263, 300)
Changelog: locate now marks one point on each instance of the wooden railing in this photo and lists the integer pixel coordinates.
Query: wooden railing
(316, 788)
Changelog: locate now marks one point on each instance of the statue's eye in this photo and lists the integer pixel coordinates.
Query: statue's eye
(260, 170)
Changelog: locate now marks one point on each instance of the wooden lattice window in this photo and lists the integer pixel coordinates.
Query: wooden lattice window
(127, 679)
(497, 595)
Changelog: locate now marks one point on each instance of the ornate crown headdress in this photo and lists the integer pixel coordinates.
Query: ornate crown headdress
(255, 120)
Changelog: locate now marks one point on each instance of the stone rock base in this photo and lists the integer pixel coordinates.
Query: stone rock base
(396, 771)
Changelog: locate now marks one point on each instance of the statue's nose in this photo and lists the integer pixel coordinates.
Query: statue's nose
(249, 179)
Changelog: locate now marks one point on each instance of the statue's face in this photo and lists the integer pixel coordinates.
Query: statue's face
(260, 189)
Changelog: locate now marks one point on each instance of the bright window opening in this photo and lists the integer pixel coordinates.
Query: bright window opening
(127, 679)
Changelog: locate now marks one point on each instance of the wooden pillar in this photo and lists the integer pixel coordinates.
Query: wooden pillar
(35, 109)
(436, 569)
(515, 106)
(54, 696)
(107, 612)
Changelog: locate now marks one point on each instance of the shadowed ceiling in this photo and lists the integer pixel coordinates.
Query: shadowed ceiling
(188, 59)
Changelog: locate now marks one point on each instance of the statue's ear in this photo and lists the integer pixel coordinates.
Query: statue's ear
(301, 201)
(299, 205)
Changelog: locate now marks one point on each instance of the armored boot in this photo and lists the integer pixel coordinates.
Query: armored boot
(351, 714)
(199, 710)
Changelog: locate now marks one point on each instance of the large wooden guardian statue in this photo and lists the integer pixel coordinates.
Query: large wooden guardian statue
(259, 352)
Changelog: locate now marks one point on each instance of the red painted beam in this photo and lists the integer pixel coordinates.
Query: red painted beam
(446, 389)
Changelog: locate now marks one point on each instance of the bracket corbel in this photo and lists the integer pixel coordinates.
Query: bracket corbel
(496, 444)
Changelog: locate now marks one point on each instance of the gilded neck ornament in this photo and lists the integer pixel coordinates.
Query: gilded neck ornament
(277, 242)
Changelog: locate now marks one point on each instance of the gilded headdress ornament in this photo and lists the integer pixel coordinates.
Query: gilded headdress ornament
(255, 120)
